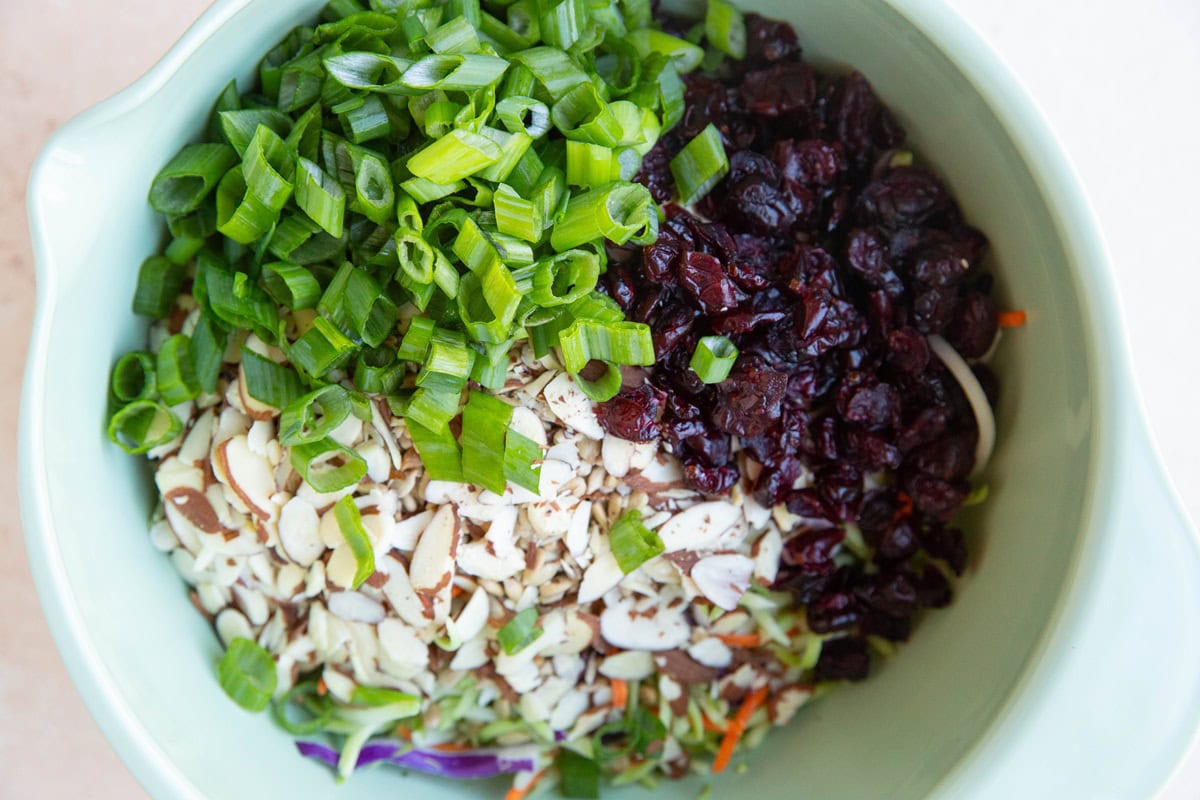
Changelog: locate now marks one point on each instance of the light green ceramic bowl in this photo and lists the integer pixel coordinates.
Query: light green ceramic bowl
(1066, 667)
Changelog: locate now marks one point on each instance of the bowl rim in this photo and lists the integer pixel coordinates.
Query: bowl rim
(1025, 126)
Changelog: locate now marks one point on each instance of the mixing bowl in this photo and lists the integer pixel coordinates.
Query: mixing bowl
(1067, 665)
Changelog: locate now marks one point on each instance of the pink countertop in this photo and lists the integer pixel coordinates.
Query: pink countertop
(60, 56)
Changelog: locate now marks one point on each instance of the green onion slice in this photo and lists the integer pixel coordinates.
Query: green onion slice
(725, 29)
(519, 632)
(208, 353)
(522, 460)
(143, 425)
(320, 197)
(627, 343)
(633, 544)
(713, 358)
(350, 523)
(158, 284)
(327, 466)
(617, 212)
(176, 376)
(579, 777)
(453, 157)
(247, 674)
(267, 382)
(291, 285)
(314, 416)
(439, 452)
(484, 425)
(133, 377)
(700, 165)
(187, 179)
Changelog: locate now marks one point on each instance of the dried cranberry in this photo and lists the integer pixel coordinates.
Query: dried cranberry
(769, 39)
(843, 659)
(824, 322)
(949, 458)
(934, 310)
(634, 413)
(906, 196)
(908, 350)
(933, 590)
(761, 207)
(658, 261)
(705, 280)
(835, 611)
(748, 164)
(939, 498)
(814, 546)
(840, 488)
(947, 544)
(655, 173)
(811, 162)
(710, 480)
(779, 90)
(974, 326)
(748, 400)
(873, 404)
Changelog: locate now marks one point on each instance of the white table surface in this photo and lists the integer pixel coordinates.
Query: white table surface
(1119, 81)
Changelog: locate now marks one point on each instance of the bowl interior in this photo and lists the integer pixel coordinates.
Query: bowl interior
(145, 659)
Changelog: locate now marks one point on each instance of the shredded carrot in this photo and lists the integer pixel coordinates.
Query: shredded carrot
(906, 507)
(404, 732)
(519, 794)
(737, 726)
(1011, 319)
(620, 692)
(322, 689)
(452, 747)
(711, 726)
(740, 639)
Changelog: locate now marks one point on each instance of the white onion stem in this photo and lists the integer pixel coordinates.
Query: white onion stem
(985, 421)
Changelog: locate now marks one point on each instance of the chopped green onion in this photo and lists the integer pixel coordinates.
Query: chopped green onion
(581, 114)
(302, 241)
(515, 215)
(519, 81)
(633, 544)
(603, 388)
(133, 378)
(174, 371)
(350, 523)
(426, 191)
(484, 424)
(364, 119)
(371, 312)
(322, 348)
(378, 696)
(439, 452)
(326, 466)
(525, 115)
(522, 460)
(416, 256)
(267, 382)
(268, 168)
(208, 353)
(616, 212)
(305, 137)
(320, 197)
(561, 22)
(374, 196)
(579, 777)
(372, 72)
(239, 125)
(683, 54)
(247, 674)
(700, 165)
(454, 72)
(513, 147)
(725, 29)
(314, 416)
(448, 362)
(433, 408)
(552, 69)
(456, 36)
(241, 215)
(415, 344)
(291, 285)
(519, 632)
(591, 165)
(628, 343)
(713, 358)
(143, 425)
(158, 284)
(565, 277)
(453, 157)
(187, 179)
(377, 371)
(183, 249)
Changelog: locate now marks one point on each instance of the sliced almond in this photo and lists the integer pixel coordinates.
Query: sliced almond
(249, 476)
(784, 704)
(198, 442)
(699, 527)
(470, 621)
(630, 665)
(711, 652)
(432, 568)
(404, 535)
(402, 652)
(577, 530)
(600, 577)
(232, 624)
(767, 551)
(195, 508)
(659, 629)
(526, 423)
(618, 455)
(572, 407)
(298, 531)
(399, 592)
(723, 579)
(355, 607)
